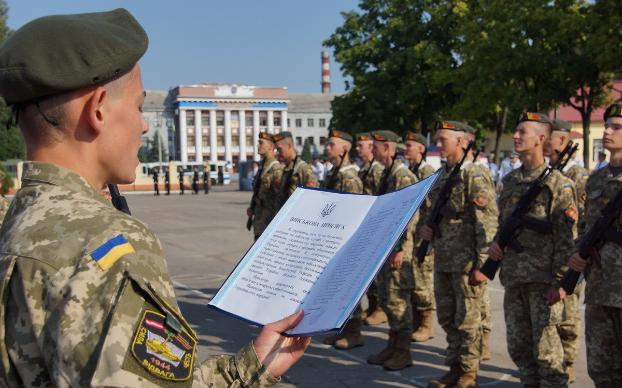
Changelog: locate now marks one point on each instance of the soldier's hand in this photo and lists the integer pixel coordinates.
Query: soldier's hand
(396, 260)
(277, 352)
(495, 252)
(426, 233)
(577, 263)
(476, 277)
(249, 212)
(555, 295)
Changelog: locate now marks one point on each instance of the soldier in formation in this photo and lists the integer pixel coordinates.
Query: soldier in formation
(535, 262)
(180, 173)
(460, 242)
(265, 202)
(296, 172)
(156, 180)
(206, 179)
(76, 312)
(195, 180)
(603, 273)
(370, 174)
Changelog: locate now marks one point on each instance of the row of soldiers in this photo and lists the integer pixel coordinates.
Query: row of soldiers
(543, 324)
(196, 179)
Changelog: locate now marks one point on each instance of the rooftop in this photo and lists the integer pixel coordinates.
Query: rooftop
(310, 102)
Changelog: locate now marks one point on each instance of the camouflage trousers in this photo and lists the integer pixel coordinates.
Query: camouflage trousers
(533, 341)
(603, 340)
(485, 312)
(458, 306)
(394, 289)
(570, 327)
(423, 291)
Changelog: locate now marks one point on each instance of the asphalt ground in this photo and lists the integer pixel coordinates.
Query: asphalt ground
(204, 236)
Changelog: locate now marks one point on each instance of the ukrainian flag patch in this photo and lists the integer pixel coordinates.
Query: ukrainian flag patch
(111, 251)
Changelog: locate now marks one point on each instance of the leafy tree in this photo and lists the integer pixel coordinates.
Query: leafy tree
(7, 180)
(306, 151)
(149, 153)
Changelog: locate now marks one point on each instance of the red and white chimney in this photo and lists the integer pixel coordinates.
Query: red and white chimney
(325, 73)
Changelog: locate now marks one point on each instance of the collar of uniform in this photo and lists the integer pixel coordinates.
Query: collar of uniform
(59, 176)
(398, 164)
(464, 165)
(530, 175)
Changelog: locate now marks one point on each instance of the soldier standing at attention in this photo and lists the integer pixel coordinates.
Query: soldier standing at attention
(423, 275)
(460, 242)
(570, 327)
(266, 185)
(156, 179)
(532, 300)
(344, 177)
(206, 179)
(395, 282)
(195, 180)
(603, 305)
(181, 180)
(296, 172)
(167, 181)
(87, 311)
(370, 175)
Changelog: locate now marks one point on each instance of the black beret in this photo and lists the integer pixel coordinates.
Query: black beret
(386, 136)
(613, 110)
(340, 135)
(537, 117)
(281, 135)
(60, 53)
(455, 126)
(419, 138)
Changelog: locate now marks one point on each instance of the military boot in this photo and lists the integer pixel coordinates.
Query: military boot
(449, 379)
(351, 337)
(385, 354)
(485, 355)
(372, 305)
(331, 339)
(401, 357)
(467, 380)
(376, 317)
(425, 331)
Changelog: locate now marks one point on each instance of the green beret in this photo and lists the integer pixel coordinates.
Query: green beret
(364, 136)
(613, 110)
(281, 135)
(562, 126)
(419, 138)
(340, 135)
(455, 126)
(537, 117)
(386, 136)
(265, 136)
(60, 53)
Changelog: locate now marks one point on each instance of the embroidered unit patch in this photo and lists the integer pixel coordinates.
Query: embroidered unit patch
(111, 251)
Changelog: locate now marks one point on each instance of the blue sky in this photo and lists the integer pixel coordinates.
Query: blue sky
(263, 43)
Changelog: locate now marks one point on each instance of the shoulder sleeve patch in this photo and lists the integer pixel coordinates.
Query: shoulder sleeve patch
(571, 214)
(111, 251)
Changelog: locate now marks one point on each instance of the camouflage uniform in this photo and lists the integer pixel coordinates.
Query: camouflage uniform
(347, 179)
(465, 232)
(76, 313)
(267, 199)
(296, 173)
(570, 327)
(370, 175)
(533, 341)
(603, 312)
(4, 207)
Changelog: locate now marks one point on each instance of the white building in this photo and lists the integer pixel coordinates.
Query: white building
(309, 118)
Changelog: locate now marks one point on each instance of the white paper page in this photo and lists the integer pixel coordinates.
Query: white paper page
(350, 273)
(277, 272)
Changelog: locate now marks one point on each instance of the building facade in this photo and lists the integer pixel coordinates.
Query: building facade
(309, 119)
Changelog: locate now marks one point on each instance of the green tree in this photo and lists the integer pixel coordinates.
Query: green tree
(149, 153)
(7, 180)
(306, 151)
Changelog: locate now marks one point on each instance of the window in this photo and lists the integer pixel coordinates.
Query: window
(310, 140)
(249, 119)
(190, 118)
(277, 119)
(204, 118)
(309, 122)
(299, 140)
(191, 142)
(220, 141)
(235, 140)
(249, 141)
(298, 123)
(596, 149)
(205, 143)
(263, 119)
(322, 139)
(322, 123)
(220, 118)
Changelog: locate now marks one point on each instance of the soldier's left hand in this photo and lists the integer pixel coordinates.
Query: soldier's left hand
(555, 295)
(476, 277)
(277, 352)
(396, 260)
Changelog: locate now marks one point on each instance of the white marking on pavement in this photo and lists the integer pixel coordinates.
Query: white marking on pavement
(504, 377)
(192, 290)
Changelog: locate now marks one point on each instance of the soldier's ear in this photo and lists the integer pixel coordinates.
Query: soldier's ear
(95, 109)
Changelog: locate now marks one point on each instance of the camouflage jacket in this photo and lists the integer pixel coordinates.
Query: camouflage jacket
(87, 299)
(422, 171)
(4, 207)
(469, 219)
(544, 257)
(604, 278)
(347, 179)
(300, 173)
(370, 175)
(579, 176)
(267, 200)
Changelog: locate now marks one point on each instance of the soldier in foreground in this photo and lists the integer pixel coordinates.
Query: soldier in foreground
(535, 262)
(460, 242)
(570, 327)
(395, 282)
(296, 172)
(265, 201)
(603, 304)
(370, 174)
(91, 310)
(423, 274)
(344, 177)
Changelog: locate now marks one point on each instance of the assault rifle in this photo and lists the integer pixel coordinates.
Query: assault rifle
(572, 149)
(519, 220)
(118, 201)
(384, 180)
(330, 182)
(601, 232)
(287, 177)
(256, 184)
(443, 196)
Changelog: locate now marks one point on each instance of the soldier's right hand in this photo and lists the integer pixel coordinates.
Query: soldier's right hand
(577, 263)
(495, 252)
(249, 212)
(426, 233)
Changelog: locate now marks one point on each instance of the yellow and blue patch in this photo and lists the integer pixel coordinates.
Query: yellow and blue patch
(111, 251)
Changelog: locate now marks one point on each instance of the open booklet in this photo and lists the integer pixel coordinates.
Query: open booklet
(320, 253)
